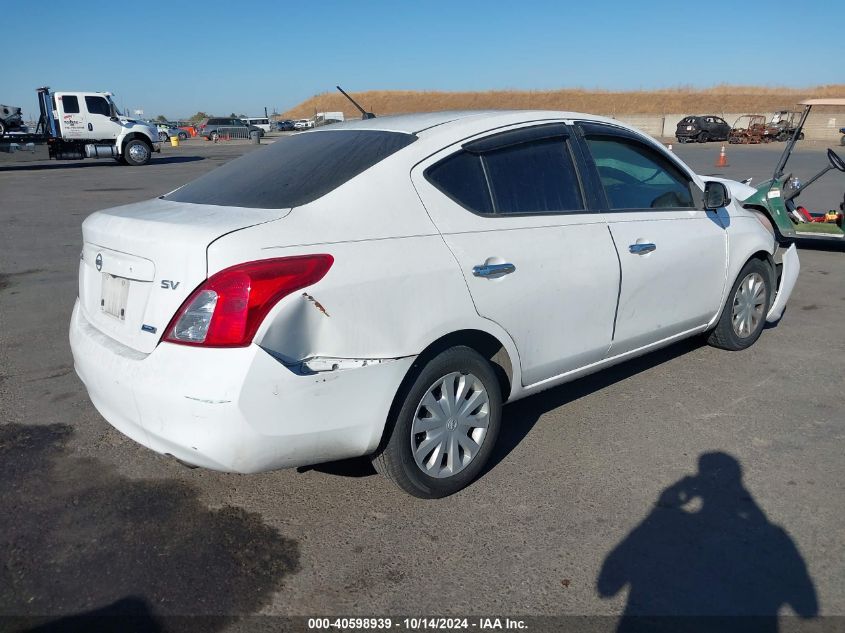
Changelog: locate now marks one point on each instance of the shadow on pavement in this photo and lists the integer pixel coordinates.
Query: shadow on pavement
(521, 416)
(707, 559)
(76, 535)
(41, 166)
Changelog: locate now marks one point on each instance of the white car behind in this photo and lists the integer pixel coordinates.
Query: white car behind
(402, 278)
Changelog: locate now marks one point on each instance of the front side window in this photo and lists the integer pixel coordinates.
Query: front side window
(529, 177)
(635, 176)
(97, 105)
(70, 104)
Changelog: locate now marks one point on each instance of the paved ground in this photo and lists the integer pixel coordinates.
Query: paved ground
(579, 505)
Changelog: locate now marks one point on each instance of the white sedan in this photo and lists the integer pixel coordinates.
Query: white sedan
(383, 287)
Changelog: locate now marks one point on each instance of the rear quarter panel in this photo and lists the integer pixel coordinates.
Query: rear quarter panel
(394, 287)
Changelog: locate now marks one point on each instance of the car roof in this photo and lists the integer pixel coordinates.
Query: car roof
(417, 123)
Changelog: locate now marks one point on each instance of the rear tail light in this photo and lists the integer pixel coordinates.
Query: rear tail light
(227, 309)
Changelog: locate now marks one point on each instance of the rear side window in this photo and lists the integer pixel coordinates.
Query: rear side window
(70, 104)
(637, 177)
(536, 177)
(531, 177)
(294, 170)
(461, 177)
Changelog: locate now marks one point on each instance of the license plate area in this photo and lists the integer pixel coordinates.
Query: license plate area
(114, 296)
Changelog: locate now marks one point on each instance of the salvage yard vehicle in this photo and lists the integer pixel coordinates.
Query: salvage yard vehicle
(776, 197)
(168, 130)
(10, 119)
(214, 128)
(382, 287)
(77, 125)
(781, 126)
(748, 128)
(702, 129)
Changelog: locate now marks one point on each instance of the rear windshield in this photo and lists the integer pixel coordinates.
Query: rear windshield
(294, 170)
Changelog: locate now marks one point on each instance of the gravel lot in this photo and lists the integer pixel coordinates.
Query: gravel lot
(579, 506)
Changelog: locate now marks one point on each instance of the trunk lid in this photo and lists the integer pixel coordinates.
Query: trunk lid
(141, 261)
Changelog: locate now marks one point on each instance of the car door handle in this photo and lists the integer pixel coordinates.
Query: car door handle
(90, 127)
(642, 249)
(493, 270)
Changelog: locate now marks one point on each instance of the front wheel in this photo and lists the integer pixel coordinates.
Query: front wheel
(162, 136)
(703, 137)
(183, 136)
(446, 426)
(136, 153)
(744, 315)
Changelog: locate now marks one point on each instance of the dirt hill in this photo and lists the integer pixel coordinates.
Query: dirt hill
(714, 100)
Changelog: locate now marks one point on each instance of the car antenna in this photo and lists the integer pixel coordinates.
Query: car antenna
(364, 114)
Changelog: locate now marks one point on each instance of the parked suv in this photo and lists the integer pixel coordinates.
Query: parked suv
(213, 128)
(702, 129)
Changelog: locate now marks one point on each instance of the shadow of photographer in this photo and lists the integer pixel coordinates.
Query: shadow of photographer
(707, 559)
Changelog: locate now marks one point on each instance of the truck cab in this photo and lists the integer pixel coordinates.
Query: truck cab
(89, 123)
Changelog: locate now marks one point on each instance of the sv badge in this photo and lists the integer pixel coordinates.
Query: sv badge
(167, 284)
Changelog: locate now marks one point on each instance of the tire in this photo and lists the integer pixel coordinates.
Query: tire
(214, 136)
(183, 136)
(162, 136)
(459, 371)
(751, 295)
(136, 153)
(703, 137)
(2, 128)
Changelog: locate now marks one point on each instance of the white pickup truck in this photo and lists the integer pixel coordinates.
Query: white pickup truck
(77, 125)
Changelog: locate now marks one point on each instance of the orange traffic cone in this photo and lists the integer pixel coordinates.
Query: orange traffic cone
(722, 161)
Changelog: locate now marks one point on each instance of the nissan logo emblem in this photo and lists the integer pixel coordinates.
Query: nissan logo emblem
(99, 261)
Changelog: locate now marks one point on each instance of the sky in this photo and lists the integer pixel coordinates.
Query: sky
(176, 58)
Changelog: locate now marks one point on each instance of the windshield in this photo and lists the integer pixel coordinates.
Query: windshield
(114, 107)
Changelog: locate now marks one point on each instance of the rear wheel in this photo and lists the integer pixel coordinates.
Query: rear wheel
(2, 128)
(183, 136)
(446, 426)
(744, 315)
(703, 137)
(162, 136)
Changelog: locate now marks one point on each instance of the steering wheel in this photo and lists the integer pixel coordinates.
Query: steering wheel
(835, 160)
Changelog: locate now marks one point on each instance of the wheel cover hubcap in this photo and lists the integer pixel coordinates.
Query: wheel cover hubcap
(450, 425)
(748, 305)
(138, 152)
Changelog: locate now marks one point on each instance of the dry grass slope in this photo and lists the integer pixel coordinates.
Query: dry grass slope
(715, 100)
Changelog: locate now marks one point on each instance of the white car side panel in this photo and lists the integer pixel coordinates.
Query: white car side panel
(678, 286)
(746, 236)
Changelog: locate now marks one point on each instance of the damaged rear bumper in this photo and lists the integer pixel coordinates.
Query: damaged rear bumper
(238, 410)
(791, 266)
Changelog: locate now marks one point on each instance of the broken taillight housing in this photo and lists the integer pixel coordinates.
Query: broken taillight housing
(227, 309)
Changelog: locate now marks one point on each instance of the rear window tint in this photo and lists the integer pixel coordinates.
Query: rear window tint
(461, 177)
(294, 170)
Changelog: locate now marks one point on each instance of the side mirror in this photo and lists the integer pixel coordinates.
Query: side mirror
(716, 195)
(114, 118)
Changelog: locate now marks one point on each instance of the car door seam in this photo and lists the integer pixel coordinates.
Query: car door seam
(618, 290)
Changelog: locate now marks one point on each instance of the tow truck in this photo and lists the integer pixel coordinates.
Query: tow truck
(77, 125)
